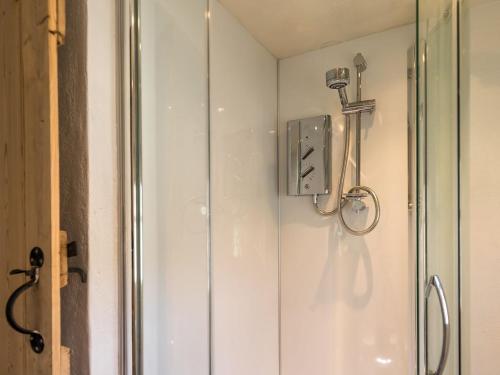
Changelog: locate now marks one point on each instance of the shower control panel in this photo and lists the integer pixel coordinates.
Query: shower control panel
(309, 155)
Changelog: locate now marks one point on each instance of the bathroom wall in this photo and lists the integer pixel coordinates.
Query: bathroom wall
(103, 183)
(175, 160)
(480, 201)
(244, 200)
(346, 301)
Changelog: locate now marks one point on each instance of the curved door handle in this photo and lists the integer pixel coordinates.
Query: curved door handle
(36, 261)
(435, 282)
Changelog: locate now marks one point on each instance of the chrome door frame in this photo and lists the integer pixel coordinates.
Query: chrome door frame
(425, 283)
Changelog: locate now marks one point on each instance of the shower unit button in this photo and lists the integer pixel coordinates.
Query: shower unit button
(309, 156)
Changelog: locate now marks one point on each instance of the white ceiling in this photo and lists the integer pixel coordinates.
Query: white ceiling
(292, 27)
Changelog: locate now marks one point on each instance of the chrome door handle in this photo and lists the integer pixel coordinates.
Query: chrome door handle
(36, 261)
(435, 282)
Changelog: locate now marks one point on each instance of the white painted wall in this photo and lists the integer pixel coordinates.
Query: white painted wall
(175, 186)
(480, 189)
(244, 200)
(103, 188)
(345, 300)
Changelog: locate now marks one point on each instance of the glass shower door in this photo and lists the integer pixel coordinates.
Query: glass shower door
(172, 309)
(438, 189)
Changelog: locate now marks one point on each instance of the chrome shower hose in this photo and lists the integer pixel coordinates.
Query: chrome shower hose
(341, 200)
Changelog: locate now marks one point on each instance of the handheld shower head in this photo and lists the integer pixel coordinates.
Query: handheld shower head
(338, 79)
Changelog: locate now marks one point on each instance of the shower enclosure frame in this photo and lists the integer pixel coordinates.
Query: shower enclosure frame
(136, 299)
(129, 106)
(129, 59)
(426, 182)
(131, 298)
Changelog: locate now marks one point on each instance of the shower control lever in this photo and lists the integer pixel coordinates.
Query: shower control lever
(307, 172)
(308, 152)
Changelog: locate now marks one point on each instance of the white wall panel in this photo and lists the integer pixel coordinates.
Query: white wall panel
(346, 301)
(175, 186)
(244, 200)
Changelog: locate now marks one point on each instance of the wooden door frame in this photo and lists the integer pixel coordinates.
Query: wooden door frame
(29, 138)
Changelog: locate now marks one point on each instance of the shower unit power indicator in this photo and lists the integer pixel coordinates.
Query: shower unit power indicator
(309, 156)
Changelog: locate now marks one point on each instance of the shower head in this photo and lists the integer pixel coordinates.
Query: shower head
(360, 62)
(338, 79)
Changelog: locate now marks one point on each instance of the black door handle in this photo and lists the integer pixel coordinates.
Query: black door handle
(36, 261)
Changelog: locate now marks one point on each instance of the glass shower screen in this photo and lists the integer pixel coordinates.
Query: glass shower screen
(175, 176)
(438, 188)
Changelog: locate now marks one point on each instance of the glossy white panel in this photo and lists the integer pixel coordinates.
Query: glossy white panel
(480, 204)
(244, 200)
(346, 301)
(175, 188)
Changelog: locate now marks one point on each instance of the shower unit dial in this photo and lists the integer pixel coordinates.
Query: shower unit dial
(309, 156)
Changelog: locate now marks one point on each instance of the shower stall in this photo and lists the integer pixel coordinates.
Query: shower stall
(278, 230)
